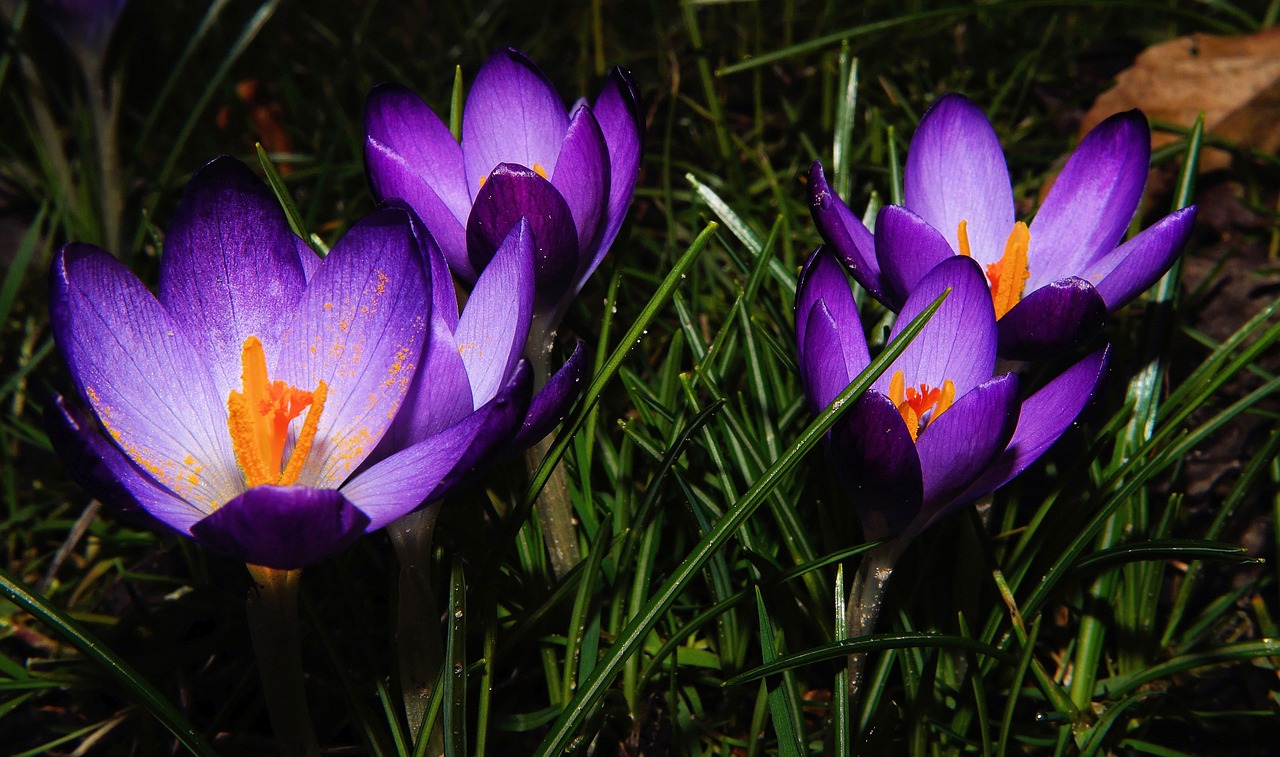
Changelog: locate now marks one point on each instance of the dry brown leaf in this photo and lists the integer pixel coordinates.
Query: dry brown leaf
(1234, 81)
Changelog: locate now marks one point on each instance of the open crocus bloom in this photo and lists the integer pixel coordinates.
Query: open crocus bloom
(1052, 282)
(241, 399)
(936, 430)
(570, 174)
(472, 361)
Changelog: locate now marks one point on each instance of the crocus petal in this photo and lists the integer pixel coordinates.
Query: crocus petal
(822, 280)
(103, 471)
(956, 172)
(1063, 314)
(847, 236)
(408, 478)
(512, 115)
(282, 527)
(511, 192)
(1092, 201)
(823, 364)
(552, 402)
(142, 376)
(498, 421)
(359, 328)
(959, 444)
(495, 322)
(907, 248)
(617, 110)
(872, 453)
(85, 25)
(230, 267)
(1129, 269)
(582, 175)
(1045, 416)
(938, 353)
(410, 154)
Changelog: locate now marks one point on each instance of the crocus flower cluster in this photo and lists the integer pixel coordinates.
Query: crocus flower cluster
(570, 175)
(938, 429)
(244, 402)
(1052, 282)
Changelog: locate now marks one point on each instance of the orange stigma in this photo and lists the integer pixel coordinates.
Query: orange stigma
(1007, 276)
(259, 418)
(537, 168)
(913, 403)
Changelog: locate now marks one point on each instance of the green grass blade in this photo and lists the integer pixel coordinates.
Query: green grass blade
(455, 678)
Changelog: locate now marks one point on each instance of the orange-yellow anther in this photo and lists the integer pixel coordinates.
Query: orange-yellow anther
(913, 403)
(259, 416)
(964, 239)
(1009, 275)
(537, 168)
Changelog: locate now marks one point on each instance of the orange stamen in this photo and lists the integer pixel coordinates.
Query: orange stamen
(964, 239)
(1009, 275)
(537, 168)
(259, 416)
(913, 403)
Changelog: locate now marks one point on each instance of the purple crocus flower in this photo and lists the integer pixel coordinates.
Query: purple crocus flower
(241, 399)
(570, 174)
(85, 26)
(1053, 281)
(937, 430)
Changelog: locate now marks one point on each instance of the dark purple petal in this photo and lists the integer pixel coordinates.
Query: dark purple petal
(582, 176)
(823, 364)
(907, 248)
(823, 280)
(1045, 416)
(1127, 271)
(617, 110)
(360, 329)
(409, 153)
(107, 475)
(424, 471)
(1062, 315)
(308, 257)
(282, 527)
(82, 24)
(142, 377)
(959, 444)
(553, 400)
(959, 342)
(1092, 201)
(847, 236)
(872, 453)
(495, 321)
(513, 115)
(956, 172)
(230, 268)
(499, 421)
(511, 192)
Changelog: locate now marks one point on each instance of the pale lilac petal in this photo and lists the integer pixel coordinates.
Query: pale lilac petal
(409, 153)
(822, 280)
(1127, 271)
(1092, 201)
(307, 256)
(552, 402)
(106, 474)
(956, 172)
(134, 365)
(582, 176)
(617, 110)
(874, 457)
(959, 343)
(847, 236)
(360, 329)
(510, 193)
(822, 361)
(959, 444)
(1045, 416)
(907, 248)
(282, 527)
(513, 115)
(499, 423)
(495, 321)
(230, 267)
(1062, 315)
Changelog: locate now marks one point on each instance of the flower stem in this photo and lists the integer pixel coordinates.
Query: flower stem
(863, 609)
(555, 507)
(419, 644)
(273, 624)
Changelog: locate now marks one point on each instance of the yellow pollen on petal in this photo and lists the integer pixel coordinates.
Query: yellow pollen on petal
(913, 403)
(963, 233)
(1009, 275)
(259, 416)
